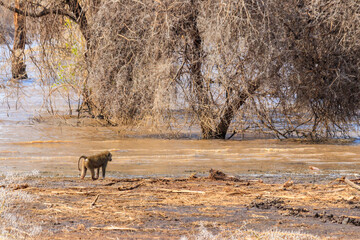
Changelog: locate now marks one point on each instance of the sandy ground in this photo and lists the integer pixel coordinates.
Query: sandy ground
(162, 208)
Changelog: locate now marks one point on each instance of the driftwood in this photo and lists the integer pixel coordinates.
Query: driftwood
(180, 191)
(112, 228)
(288, 183)
(314, 168)
(342, 179)
(147, 180)
(114, 181)
(130, 188)
(218, 175)
(94, 202)
(348, 182)
(355, 180)
(15, 186)
(351, 184)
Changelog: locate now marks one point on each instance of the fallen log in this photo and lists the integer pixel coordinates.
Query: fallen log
(114, 181)
(351, 184)
(218, 175)
(179, 191)
(288, 183)
(112, 228)
(19, 186)
(130, 188)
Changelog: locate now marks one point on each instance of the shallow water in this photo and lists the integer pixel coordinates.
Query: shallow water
(54, 149)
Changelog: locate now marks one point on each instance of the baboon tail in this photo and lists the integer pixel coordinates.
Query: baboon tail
(84, 157)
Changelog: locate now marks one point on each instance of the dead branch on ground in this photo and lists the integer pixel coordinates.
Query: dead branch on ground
(95, 200)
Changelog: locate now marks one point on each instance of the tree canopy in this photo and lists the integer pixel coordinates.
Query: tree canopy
(290, 67)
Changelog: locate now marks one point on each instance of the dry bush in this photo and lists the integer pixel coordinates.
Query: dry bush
(60, 51)
(119, 36)
(56, 48)
(194, 57)
(209, 58)
(317, 92)
(6, 26)
(291, 67)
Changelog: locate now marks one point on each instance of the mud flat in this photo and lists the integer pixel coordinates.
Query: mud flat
(177, 208)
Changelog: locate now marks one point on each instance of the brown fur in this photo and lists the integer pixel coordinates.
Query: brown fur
(92, 162)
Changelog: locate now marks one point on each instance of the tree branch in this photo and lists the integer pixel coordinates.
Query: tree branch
(351, 184)
(43, 13)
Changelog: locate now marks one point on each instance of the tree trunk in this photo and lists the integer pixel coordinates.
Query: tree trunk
(230, 109)
(195, 56)
(18, 68)
(210, 127)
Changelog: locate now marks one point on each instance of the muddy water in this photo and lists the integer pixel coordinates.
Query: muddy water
(53, 149)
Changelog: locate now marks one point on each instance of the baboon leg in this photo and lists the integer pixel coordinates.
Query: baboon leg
(97, 173)
(93, 174)
(83, 172)
(103, 167)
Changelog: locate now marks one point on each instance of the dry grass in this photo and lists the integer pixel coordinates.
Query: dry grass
(248, 234)
(13, 225)
(195, 208)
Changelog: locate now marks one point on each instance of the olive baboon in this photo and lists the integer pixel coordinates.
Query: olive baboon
(92, 162)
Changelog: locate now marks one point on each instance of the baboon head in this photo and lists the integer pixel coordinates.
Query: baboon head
(109, 156)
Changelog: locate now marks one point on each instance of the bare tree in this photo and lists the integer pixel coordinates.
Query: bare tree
(291, 68)
(226, 58)
(72, 9)
(317, 94)
(211, 75)
(50, 20)
(18, 62)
